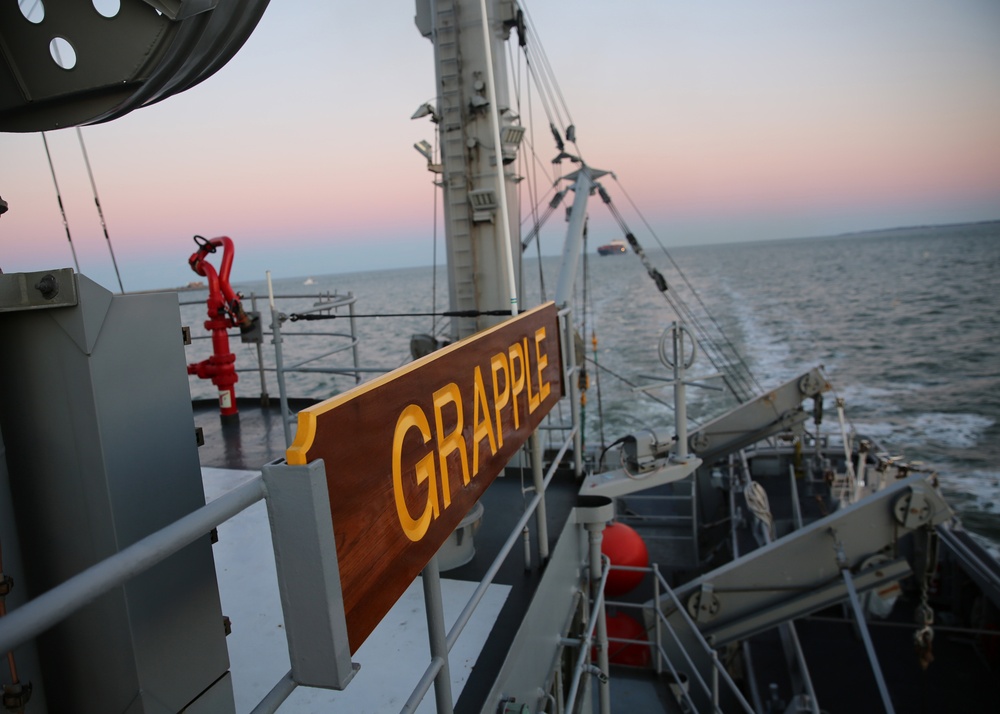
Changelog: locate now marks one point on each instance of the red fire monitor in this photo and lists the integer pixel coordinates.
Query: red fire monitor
(224, 312)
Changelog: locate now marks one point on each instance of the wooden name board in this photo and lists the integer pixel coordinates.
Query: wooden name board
(407, 455)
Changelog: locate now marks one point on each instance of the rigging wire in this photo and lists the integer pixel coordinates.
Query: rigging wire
(582, 376)
(532, 165)
(625, 380)
(546, 66)
(720, 350)
(100, 211)
(514, 70)
(588, 306)
(62, 210)
(597, 384)
(542, 84)
(543, 94)
(736, 373)
(529, 167)
(546, 167)
(538, 201)
(739, 383)
(539, 222)
(586, 301)
(434, 241)
(735, 352)
(296, 316)
(543, 294)
(530, 173)
(541, 273)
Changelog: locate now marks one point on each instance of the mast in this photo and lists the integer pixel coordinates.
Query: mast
(584, 183)
(480, 269)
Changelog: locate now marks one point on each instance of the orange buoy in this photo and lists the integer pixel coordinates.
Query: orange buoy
(623, 546)
(626, 627)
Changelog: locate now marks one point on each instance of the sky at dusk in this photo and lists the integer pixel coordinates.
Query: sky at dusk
(724, 121)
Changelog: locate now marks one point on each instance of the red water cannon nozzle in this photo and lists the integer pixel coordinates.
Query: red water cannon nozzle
(224, 311)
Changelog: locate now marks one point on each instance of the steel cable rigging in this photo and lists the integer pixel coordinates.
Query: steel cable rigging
(734, 370)
(97, 203)
(717, 346)
(713, 343)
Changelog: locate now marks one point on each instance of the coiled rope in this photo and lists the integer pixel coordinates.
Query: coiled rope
(756, 498)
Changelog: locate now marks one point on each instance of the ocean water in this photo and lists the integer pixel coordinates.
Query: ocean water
(906, 324)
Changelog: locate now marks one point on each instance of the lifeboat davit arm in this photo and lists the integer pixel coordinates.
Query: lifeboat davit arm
(771, 413)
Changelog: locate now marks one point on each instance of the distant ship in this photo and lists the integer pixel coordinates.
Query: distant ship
(615, 247)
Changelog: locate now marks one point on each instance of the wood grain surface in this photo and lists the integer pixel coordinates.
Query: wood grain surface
(407, 455)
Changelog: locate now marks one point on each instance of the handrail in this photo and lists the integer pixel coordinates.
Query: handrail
(350, 345)
(466, 614)
(277, 335)
(342, 299)
(44, 611)
(584, 652)
(662, 620)
(708, 649)
(423, 686)
(569, 372)
(277, 696)
(572, 435)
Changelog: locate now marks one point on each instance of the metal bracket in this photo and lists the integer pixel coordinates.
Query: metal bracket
(16, 696)
(703, 605)
(305, 553)
(34, 291)
(811, 384)
(510, 706)
(912, 509)
(254, 334)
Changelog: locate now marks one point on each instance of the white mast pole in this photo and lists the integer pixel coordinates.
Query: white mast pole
(498, 152)
(574, 237)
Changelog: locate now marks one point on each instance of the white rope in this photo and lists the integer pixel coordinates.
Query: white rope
(854, 491)
(756, 498)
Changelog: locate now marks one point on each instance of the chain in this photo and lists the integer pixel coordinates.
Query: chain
(923, 638)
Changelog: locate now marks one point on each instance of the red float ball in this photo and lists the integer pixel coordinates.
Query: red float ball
(626, 627)
(623, 546)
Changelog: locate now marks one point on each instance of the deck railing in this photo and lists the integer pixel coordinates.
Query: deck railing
(440, 657)
(43, 612)
(681, 687)
(324, 303)
(36, 616)
(318, 303)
